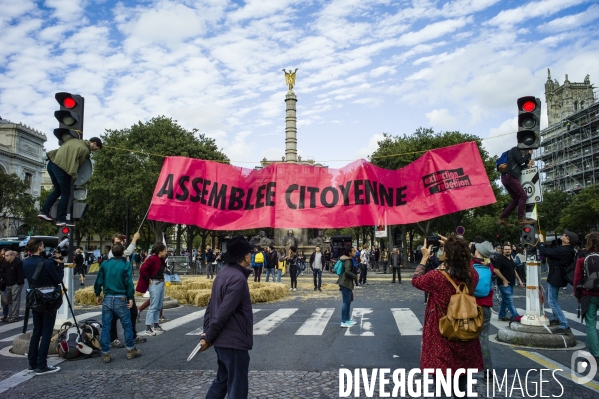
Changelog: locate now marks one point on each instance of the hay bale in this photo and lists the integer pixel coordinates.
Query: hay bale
(86, 296)
(202, 297)
(179, 293)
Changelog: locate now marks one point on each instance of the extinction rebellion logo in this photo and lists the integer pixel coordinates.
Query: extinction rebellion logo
(444, 180)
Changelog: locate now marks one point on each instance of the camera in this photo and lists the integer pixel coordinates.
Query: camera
(435, 241)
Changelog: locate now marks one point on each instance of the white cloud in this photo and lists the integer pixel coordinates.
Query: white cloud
(502, 137)
(531, 10)
(571, 21)
(441, 119)
(370, 147)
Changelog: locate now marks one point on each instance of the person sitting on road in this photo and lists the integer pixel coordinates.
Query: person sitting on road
(228, 323)
(115, 279)
(62, 167)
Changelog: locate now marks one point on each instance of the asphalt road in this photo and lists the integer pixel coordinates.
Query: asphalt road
(302, 333)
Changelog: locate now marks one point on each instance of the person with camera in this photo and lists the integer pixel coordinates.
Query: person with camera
(395, 261)
(505, 269)
(437, 351)
(51, 274)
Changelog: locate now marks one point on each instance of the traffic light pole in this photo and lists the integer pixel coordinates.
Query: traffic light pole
(64, 313)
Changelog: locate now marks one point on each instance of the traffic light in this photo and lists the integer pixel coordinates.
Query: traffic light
(529, 123)
(528, 235)
(64, 238)
(70, 116)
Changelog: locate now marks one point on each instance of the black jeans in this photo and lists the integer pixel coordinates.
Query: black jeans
(232, 374)
(293, 275)
(133, 311)
(61, 181)
(522, 272)
(43, 324)
(363, 273)
(398, 271)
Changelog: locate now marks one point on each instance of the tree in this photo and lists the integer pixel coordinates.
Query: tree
(550, 210)
(127, 168)
(14, 199)
(582, 213)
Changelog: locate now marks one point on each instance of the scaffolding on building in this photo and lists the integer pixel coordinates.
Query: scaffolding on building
(570, 151)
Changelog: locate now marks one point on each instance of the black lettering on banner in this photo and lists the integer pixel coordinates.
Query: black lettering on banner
(400, 195)
(167, 188)
(358, 192)
(248, 201)
(205, 191)
(302, 197)
(270, 193)
(183, 196)
(196, 186)
(260, 197)
(288, 192)
(323, 197)
(313, 191)
(217, 196)
(345, 192)
(386, 195)
(448, 179)
(236, 198)
(371, 191)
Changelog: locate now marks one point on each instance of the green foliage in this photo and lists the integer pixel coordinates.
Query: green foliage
(582, 212)
(123, 181)
(550, 210)
(14, 199)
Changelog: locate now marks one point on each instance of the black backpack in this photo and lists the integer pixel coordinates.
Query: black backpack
(590, 279)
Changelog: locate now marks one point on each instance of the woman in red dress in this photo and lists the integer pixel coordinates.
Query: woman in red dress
(437, 351)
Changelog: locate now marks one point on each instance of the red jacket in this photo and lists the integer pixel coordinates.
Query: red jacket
(149, 268)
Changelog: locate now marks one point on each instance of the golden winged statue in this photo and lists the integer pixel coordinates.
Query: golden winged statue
(290, 78)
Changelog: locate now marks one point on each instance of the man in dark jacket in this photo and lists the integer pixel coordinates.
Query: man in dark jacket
(228, 323)
(510, 178)
(271, 263)
(14, 279)
(559, 258)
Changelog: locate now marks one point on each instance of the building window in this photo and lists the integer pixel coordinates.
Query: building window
(581, 105)
(28, 179)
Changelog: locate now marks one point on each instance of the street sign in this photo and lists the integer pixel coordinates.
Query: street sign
(531, 183)
(84, 172)
(460, 230)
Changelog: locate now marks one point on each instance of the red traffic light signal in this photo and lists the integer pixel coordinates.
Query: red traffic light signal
(65, 230)
(529, 106)
(526, 229)
(70, 116)
(529, 123)
(66, 100)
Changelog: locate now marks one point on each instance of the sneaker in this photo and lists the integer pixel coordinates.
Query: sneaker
(82, 285)
(61, 223)
(158, 330)
(562, 331)
(31, 369)
(139, 340)
(117, 344)
(504, 222)
(133, 353)
(13, 319)
(319, 290)
(106, 357)
(163, 320)
(295, 289)
(315, 288)
(351, 322)
(290, 289)
(554, 323)
(45, 216)
(47, 370)
(345, 325)
(149, 332)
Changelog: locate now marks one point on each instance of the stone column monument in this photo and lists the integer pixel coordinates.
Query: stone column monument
(290, 119)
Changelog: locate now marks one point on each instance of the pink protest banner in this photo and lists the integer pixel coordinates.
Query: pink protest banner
(217, 196)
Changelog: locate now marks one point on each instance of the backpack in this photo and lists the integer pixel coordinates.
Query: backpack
(338, 267)
(463, 320)
(484, 280)
(501, 162)
(78, 340)
(259, 258)
(590, 269)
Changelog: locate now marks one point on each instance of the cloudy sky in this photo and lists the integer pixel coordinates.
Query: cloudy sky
(365, 66)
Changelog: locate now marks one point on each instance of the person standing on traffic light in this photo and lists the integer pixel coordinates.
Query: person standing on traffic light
(63, 164)
(510, 178)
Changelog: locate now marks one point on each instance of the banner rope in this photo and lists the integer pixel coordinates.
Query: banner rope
(328, 160)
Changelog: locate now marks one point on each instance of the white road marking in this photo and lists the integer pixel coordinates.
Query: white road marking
(23, 376)
(268, 324)
(179, 321)
(407, 322)
(199, 331)
(316, 324)
(363, 324)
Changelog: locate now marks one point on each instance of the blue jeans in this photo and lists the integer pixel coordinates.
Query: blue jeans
(317, 277)
(507, 303)
(279, 274)
(156, 290)
(552, 292)
(232, 374)
(43, 324)
(61, 181)
(116, 306)
(270, 271)
(346, 295)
